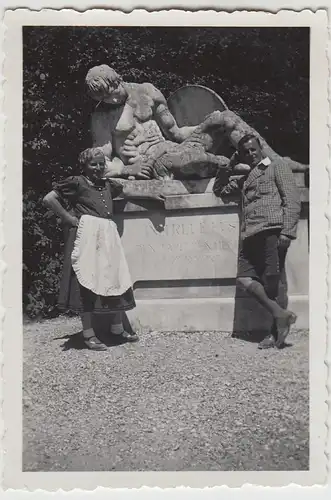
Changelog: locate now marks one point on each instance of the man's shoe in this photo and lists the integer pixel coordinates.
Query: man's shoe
(283, 326)
(267, 343)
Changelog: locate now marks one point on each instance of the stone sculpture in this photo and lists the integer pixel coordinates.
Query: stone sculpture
(139, 135)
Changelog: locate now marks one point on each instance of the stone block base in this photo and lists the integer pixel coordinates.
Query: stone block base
(183, 260)
(223, 314)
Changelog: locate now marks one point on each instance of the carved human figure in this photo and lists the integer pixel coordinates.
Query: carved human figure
(139, 136)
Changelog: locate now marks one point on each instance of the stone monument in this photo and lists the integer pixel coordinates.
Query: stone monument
(183, 259)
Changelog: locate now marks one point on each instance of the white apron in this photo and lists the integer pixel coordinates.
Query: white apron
(98, 258)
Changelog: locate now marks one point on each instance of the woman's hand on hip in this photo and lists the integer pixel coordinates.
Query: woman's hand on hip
(71, 221)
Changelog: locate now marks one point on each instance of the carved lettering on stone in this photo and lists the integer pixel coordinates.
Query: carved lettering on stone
(195, 246)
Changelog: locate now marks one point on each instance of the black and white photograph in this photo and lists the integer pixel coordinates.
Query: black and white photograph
(166, 224)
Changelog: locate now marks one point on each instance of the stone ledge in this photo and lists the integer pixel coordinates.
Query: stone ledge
(176, 187)
(182, 201)
(170, 187)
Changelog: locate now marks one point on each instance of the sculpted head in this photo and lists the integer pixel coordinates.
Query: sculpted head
(250, 150)
(105, 85)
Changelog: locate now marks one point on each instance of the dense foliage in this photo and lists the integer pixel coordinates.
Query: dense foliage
(261, 73)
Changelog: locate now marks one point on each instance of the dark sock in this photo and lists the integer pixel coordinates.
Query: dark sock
(116, 328)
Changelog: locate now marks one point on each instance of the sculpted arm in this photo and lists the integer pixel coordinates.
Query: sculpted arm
(164, 118)
(235, 128)
(102, 138)
(101, 133)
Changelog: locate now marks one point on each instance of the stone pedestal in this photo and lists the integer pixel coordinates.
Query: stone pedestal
(183, 261)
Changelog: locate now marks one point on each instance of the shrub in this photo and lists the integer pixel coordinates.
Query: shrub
(42, 257)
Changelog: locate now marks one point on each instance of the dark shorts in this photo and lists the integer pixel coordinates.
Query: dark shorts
(260, 256)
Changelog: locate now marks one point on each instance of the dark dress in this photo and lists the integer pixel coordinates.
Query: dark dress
(96, 200)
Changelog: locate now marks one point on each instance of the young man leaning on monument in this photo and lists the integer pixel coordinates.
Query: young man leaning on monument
(270, 214)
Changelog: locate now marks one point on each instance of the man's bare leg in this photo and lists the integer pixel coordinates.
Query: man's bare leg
(283, 318)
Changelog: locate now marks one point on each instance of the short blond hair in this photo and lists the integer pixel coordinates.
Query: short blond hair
(88, 155)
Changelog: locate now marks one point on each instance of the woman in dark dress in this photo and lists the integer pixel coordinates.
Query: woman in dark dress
(95, 274)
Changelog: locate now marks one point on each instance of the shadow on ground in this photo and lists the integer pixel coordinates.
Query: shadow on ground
(102, 331)
(255, 337)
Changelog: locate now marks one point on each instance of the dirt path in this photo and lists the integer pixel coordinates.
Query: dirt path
(174, 401)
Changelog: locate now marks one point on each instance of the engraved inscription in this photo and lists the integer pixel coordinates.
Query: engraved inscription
(195, 246)
(186, 229)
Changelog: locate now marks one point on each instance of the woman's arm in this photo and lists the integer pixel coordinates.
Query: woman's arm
(52, 201)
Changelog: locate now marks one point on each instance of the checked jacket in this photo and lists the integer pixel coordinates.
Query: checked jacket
(270, 198)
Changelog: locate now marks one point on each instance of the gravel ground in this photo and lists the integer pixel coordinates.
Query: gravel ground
(173, 401)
